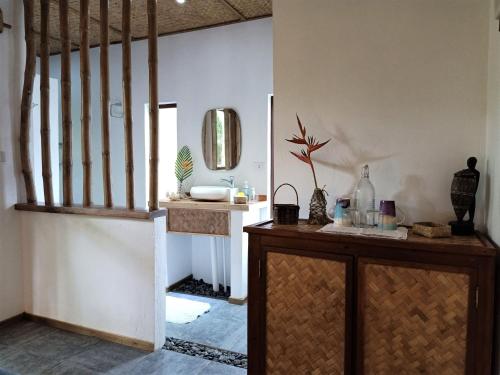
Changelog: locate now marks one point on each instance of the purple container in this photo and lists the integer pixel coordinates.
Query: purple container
(388, 208)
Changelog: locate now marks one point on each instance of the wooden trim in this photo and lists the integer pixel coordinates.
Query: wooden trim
(167, 105)
(67, 165)
(12, 320)
(121, 213)
(178, 283)
(153, 104)
(237, 301)
(104, 68)
(118, 339)
(272, 182)
(127, 103)
(27, 100)
(85, 102)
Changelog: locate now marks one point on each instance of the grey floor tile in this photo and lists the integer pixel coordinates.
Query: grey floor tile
(20, 333)
(164, 362)
(59, 344)
(99, 358)
(18, 361)
(224, 326)
(215, 368)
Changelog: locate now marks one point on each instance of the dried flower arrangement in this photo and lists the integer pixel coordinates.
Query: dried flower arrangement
(317, 207)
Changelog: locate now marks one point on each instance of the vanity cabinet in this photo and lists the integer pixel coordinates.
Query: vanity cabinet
(329, 304)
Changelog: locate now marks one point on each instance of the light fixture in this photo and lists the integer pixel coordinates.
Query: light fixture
(180, 1)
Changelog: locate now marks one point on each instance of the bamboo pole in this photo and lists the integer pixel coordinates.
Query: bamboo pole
(127, 103)
(45, 102)
(66, 102)
(153, 104)
(104, 61)
(85, 102)
(26, 101)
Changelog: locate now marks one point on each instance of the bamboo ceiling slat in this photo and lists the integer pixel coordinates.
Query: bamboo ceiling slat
(172, 17)
(253, 9)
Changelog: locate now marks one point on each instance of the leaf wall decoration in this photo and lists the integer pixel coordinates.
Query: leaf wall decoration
(183, 164)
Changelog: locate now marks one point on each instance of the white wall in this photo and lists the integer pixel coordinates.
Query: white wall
(400, 85)
(228, 66)
(11, 63)
(100, 273)
(493, 133)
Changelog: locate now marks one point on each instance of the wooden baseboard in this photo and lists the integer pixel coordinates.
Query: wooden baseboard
(12, 320)
(127, 341)
(178, 283)
(237, 301)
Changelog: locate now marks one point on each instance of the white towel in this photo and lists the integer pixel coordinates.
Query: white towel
(183, 310)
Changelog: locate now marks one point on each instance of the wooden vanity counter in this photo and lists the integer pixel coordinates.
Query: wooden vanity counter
(336, 304)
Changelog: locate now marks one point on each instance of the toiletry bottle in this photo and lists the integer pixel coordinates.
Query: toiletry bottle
(364, 200)
(246, 190)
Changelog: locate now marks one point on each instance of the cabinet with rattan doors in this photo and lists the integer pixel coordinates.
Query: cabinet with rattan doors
(329, 304)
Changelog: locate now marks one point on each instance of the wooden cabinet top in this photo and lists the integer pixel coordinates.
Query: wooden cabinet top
(477, 245)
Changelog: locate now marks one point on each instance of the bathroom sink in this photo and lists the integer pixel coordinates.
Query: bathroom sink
(211, 193)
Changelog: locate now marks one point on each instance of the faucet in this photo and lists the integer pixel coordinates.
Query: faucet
(229, 181)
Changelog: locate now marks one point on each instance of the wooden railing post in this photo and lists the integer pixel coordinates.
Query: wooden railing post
(104, 62)
(127, 103)
(153, 104)
(45, 101)
(66, 103)
(85, 102)
(26, 101)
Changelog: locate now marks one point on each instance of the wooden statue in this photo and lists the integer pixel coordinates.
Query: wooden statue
(463, 197)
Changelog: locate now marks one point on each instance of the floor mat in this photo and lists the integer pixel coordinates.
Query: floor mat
(182, 310)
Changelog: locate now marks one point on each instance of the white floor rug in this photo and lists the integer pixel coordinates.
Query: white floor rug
(182, 311)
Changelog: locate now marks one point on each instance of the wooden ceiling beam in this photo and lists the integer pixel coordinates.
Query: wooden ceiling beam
(234, 9)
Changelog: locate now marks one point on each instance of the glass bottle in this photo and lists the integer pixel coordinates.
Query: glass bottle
(364, 201)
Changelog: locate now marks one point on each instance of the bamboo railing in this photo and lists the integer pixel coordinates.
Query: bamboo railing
(104, 64)
(29, 75)
(27, 100)
(45, 102)
(66, 103)
(153, 104)
(85, 95)
(127, 103)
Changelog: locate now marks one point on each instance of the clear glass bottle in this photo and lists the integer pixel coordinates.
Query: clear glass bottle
(363, 206)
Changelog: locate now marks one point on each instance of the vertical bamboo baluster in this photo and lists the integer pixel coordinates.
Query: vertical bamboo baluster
(153, 103)
(66, 102)
(127, 103)
(104, 61)
(45, 102)
(85, 101)
(26, 102)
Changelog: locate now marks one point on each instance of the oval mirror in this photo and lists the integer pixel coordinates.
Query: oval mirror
(221, 139)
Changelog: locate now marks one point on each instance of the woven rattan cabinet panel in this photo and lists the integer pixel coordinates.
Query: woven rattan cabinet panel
(305, 315)
(414, 320)
(198, 221)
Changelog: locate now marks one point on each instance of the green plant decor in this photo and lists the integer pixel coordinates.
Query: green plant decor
(183, 166)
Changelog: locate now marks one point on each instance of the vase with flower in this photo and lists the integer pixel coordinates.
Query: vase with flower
(317, 206)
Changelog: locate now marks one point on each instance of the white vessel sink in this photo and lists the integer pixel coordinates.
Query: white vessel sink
(211, 193)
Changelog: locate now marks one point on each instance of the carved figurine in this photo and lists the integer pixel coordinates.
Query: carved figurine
(463, 197)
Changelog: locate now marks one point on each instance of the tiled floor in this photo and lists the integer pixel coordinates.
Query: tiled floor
(30, 348)
(224, 326)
